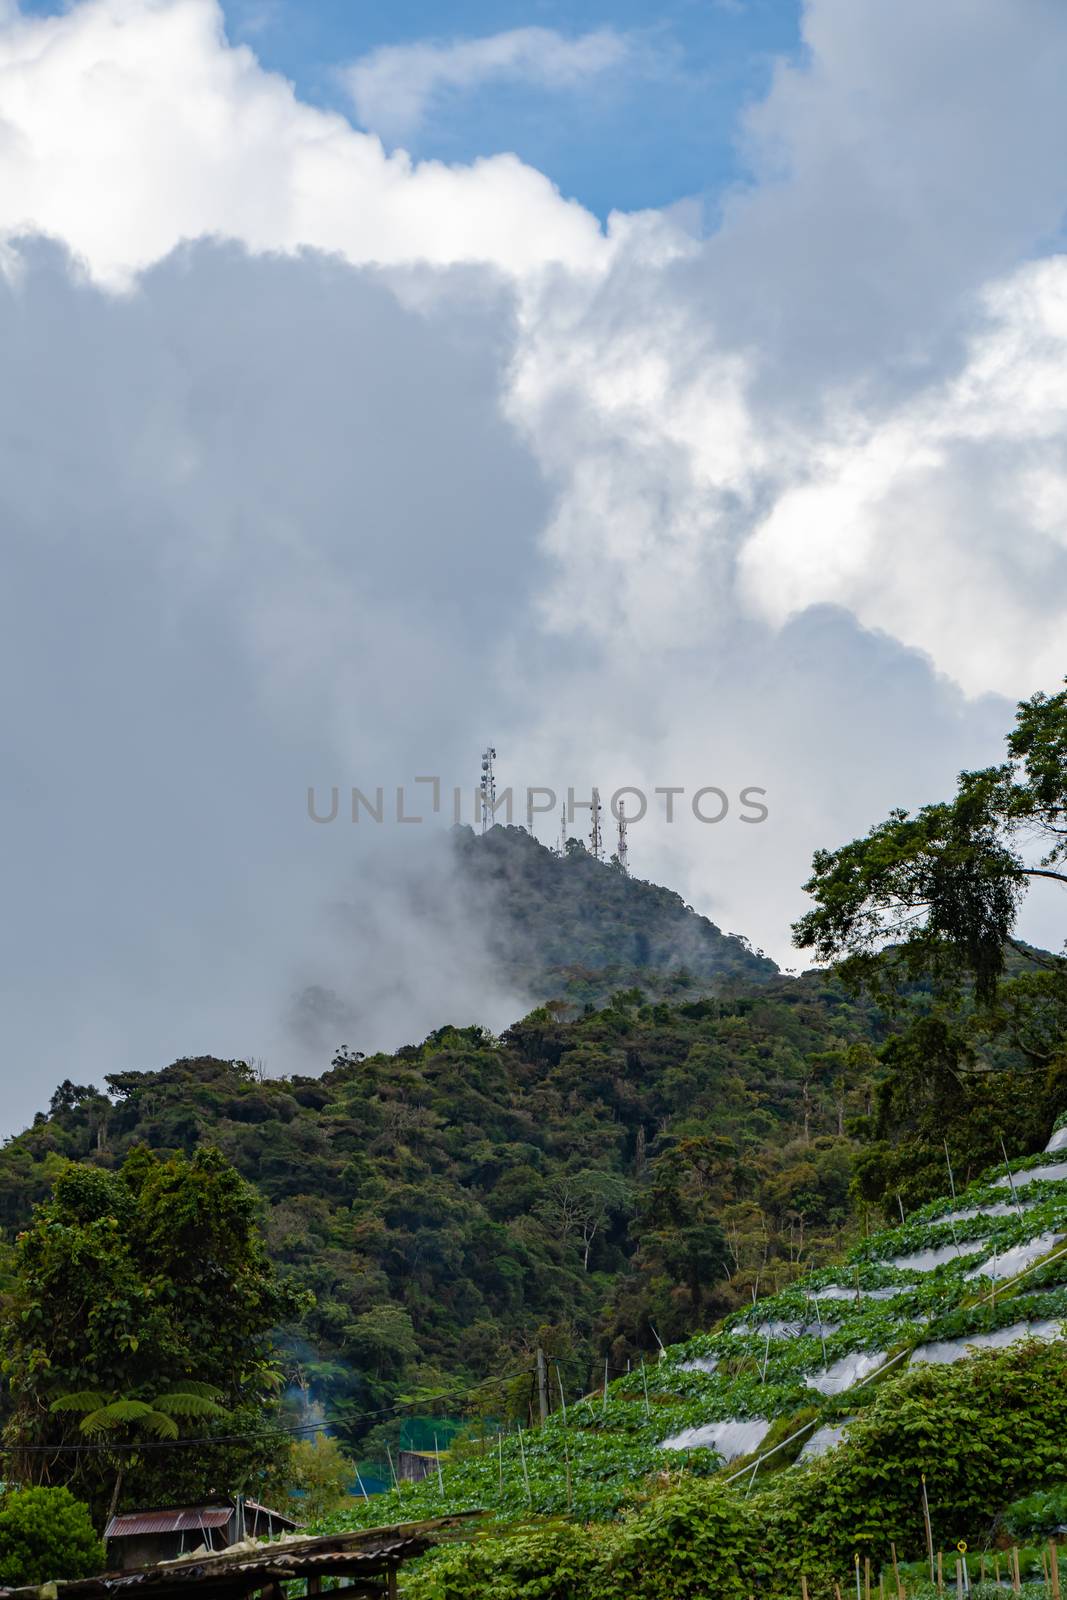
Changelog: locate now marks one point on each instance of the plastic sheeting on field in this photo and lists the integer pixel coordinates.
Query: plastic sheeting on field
(794, 1330)
(823, 1439)
(943, 1352)
(699, 1364)
(731, 1439)
(936, 1256)
(837, 1291)
(1058, 1141)
(1055, 1173)
(1004, 1209)
(1018, 1258)
(849, 1370)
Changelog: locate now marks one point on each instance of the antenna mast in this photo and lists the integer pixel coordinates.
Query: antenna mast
(624, 849)
(488, 788)
(596, 837)
(562, 849)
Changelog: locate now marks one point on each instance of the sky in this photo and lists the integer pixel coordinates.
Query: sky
(672, 399)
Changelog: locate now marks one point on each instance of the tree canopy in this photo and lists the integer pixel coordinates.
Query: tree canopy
(944, 886)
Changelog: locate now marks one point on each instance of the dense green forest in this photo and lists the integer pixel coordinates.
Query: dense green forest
(641, 1167)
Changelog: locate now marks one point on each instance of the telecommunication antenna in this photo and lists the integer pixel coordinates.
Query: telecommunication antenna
(623, 852)
(562, 847)
(488, 788)
(596, 837)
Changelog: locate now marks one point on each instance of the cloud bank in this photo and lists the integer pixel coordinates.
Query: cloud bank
(319, 465)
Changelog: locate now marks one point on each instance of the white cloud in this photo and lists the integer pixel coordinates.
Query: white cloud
(425, 458)
(394, 87)
(130, 125)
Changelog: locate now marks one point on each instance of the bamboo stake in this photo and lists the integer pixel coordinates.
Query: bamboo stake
(1044, 1574)
(803, 1586)
(866, 1578)
(1016, 1580)
(605, 1383)
(1054, 1554)
(940, 1575)
(567, 1459)
(983, 1570)
(881, 1586)
(437, 1456)
(562, 1396)
(644, 1380)
(392, 1469)
(525, 1474)
(500, 1456)
(896, 1570)
(929, 1531)
(859, 1593)
(996, 1570)
(837, 1591)
(959, 1579)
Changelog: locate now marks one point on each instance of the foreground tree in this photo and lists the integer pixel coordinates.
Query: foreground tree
(150, 1285)
(932, 900)
(944, 886)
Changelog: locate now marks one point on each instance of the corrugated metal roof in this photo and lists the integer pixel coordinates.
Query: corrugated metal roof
(189, 1519)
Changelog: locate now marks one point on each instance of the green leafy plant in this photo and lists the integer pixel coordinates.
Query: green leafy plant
(46, 1534)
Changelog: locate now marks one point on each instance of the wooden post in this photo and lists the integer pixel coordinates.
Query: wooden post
(881, 1585)
(392, 1469)
(982, 1570)
(1016, 1581)
(940, 1574)
(1054, 1556)
(866, 1578)
(562, 1396)
(644, 1380)
(896, 1571)
(500, 1456)
(437, 1458)
(959, 1579)
(525, 1474)
(542, 1386)
(567, 1459)
(1044, 1574)
(837, 1591)
(929, 1532)
(605, 1383)
(996, 1570)
(314, 1584)
(390, 1583)
(803, 1587)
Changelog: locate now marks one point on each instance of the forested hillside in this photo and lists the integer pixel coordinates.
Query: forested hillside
(638, 1167)
(594, 1185)
(568, 926)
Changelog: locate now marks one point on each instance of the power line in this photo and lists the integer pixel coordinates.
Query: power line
(244, 1438)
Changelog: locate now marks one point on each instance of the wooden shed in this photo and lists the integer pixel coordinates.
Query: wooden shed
(138, 1538)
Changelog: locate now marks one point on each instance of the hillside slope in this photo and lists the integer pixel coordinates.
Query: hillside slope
(575, 928)
(850, 1354)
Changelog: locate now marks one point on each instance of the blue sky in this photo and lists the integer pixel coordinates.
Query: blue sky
(659, 128)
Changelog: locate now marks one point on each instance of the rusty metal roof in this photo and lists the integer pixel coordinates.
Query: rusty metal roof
(186, 1519)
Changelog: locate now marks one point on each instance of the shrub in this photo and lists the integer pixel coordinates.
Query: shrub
(46, 1534)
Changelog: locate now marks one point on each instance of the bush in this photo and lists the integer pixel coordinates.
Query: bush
(1039, 1515)
(46, 1534)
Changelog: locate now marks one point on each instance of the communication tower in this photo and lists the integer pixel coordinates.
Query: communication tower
(596, 836)
(488, 788)
(624, 849)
